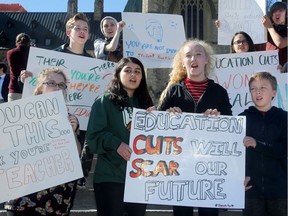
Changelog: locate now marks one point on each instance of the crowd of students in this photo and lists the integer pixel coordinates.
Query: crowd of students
(189, 90)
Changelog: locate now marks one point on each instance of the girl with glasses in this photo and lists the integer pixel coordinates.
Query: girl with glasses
(57, 200)
(242, 42)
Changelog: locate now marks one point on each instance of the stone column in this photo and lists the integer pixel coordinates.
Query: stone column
(72, 8)
(157, 78)
(157, 6)
(98, 10)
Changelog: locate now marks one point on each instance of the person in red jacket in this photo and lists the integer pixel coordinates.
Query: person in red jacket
(17, 60)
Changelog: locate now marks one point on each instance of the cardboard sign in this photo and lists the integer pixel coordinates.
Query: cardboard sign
(153, 38)
(88, 78)
(186, 159)
(38, 148)
(233, 71)
(241, 15)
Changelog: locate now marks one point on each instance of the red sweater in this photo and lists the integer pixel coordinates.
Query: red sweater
(17, 61)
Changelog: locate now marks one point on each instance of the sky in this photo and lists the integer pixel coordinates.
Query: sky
(61, 5)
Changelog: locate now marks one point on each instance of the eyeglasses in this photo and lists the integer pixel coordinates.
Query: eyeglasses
(238, 42)
(53, 84)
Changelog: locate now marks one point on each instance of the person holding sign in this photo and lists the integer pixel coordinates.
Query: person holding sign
(276, 25)
(266, 153)
(57, 200)
(110, 49)
(242, 42)
(108, 135)
(190, 90)
(77, 29)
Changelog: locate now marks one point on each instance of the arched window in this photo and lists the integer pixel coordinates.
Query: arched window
(197, 18)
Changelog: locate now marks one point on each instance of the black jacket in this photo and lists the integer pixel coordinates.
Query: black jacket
(63, 48)
(267, 163)
(215, 97)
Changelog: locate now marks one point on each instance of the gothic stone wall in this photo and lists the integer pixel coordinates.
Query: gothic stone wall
(158, 78)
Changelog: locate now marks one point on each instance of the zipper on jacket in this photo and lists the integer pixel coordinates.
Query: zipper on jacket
(195, 104)
(201, 96)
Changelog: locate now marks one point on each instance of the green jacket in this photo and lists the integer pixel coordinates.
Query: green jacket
(107, 128)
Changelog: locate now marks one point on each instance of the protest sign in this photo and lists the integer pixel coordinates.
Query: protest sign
(88, 78)
(152, 38)
(233, 71)
(186, 159)
(38, 148)
(241, 15)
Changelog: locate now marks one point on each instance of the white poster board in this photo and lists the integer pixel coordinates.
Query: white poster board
(233, 71)
(152, 38)
(186, 159)
(38, 148)
(241, 15)
(88, 78)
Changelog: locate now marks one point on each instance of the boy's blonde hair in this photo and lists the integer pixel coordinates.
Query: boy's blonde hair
(264, 75)
(43, 76)
(79, 16)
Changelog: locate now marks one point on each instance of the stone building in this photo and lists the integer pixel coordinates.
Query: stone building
(47, 30)
(199, 17)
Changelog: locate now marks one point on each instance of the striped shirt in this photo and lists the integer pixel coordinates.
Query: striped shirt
(196, 89)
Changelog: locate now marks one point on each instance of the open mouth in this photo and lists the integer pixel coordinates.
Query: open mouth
(259, 98)
(194, 66)
(277, 18)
